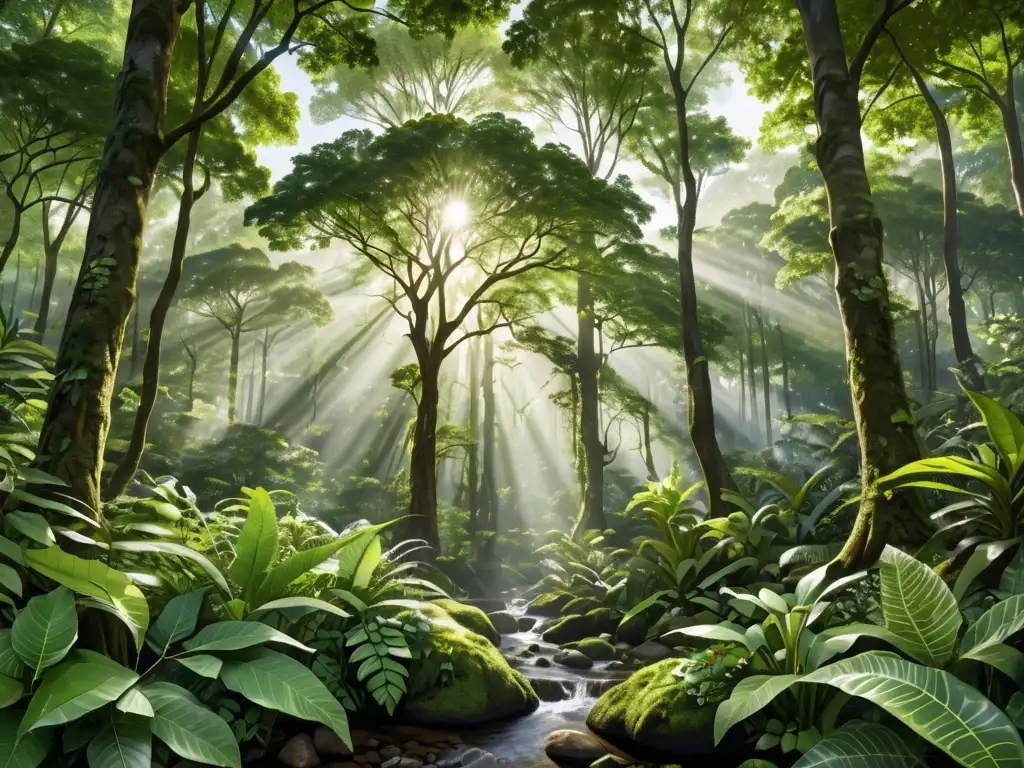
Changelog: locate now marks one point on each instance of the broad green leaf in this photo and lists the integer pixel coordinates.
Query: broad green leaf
(179, 550)
(750, 696)
(351, 555)
(306, 604)
(10, 579)
(95, 579)
(190, 729)
(1003, 619)
(919, 607)
(367, 564)
(721, 573)
(84, 682)
(235, 635)
(725, 632)
(202, 664)
(1004, 428)
(1012, 580)
(31, 525)
(276, 681)
(53, 506)
(10, 662)
(950, 714)
(11, 691)
(134, 702)
(256, 547)
(982, 557)
(1007, 660)
(124, 742)
(644, 604)
(45, 630)
(29, 750)
(11, 551)
(176, 622)
(859, 745)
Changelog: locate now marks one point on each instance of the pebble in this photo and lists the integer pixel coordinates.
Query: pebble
(299, 752)
(572, 749)
(402, 762)
(386, 753)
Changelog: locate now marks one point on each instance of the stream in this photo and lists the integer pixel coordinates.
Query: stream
(567, 696)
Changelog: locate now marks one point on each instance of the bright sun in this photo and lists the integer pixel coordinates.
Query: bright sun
(456, 214)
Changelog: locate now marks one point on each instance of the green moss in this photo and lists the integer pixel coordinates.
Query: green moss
(597, 649)
(581, 605)
(550, 604)
(577, 627)
(651, 714)
(471, 618)
(480, 686)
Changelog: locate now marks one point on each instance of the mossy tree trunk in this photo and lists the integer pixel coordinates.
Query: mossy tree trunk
(881, 408)
(423, 462)
(76, 424)
(236, 340)
(588, 368)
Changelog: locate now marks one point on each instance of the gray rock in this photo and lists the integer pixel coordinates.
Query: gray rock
(533, 648)
(402, 762)
(327, 742)
(650, 651)
(504, 622)
(526, 623)
(542, 661)
(299, 752)
(572, 749)
(386, 753)
(574, 660)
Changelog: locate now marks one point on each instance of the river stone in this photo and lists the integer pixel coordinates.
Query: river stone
(386, 753)
(402, 762)
(471, 617)
(550, 604)
(649, 652)
(573, 660)
(578, 627)
(327, 742)
(572, 749)
(526, 623)
(597, 649)
(299, 752)
(482, 686)
(651, 717)
(542, 661)
(504, 622)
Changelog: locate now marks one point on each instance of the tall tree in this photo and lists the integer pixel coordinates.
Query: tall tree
(580, 71)
(455, 216)
(240, 289)
(247, 41)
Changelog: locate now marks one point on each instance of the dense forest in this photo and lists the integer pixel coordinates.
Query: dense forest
(581, 383)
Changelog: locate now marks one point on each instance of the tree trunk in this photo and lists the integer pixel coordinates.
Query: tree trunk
(423, 464)
(14, 293)
(786, 397)
(75, 428)
(250, 400)
(1011, 130)
(267, 341)
(881, 408)
(588, 366)
(766, 381)
(13, 233)
(743, 390)
(489, 478)
(136, 355)
(236, 334)
(968, 363)
(35, 286)
(652, 471)
(579, 459)
(473, 454)
(751, 379)
(193, 360)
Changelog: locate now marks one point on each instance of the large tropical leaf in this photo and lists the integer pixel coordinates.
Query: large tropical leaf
(982, 557)
(367, 564)
(11, 691)
(351, 555)
(27, 751)
(859, 745)
(294, 607)
(176, 621)
(11, 664)
(1012, 580)
(98, 581)
(124, 742)
(190, 729)
(178, 550)
(950, 714)
(276, 681)
(45, 630)
(84, 682)
(256, 547)
(236, 635)
(1004, 428)
(1003, 619)
(750, 696)
(919, 607)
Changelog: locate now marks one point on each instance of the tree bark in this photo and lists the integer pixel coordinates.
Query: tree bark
(1011, 130)
(766, 381)
(652, 471)
(193, 363)
(265, 356)
(743, 389)
(75, 428)
(488, 478)
(250, 399)
(14, 293)
(786, 396)
(473, 454)
(881, 407)
(423, 463)
(236, 335)
(588, 366)
(35, 286)
(51, 253)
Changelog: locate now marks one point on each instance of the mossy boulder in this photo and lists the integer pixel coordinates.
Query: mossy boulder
(550, 604)
(581, 605)
(471, 618)
(651, 717)
(596, 649)
(480, 686)
(578, 627)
